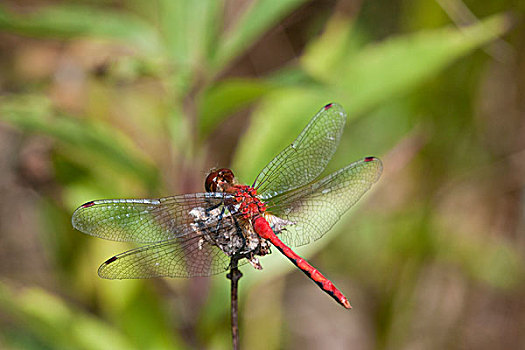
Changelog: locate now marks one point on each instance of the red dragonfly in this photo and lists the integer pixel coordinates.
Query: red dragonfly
(199, 234)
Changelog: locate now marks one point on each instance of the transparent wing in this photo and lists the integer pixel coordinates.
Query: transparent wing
(180, 257)
(306, 157)
(315, 208)
(146, 220)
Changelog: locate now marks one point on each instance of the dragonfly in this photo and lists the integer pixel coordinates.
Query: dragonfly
(200, 234)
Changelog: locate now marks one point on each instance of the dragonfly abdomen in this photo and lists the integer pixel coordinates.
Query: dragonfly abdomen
(263, 229)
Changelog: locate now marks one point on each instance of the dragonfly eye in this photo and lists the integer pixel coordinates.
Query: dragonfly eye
(226, 175)
(211, 182)
(216, 180)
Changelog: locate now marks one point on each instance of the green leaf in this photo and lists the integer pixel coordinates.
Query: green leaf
(397, 65)
(210, 25)
(87, 141)
(330, 49)
(57, 323)
(173, 28)
(73, 21)
(261, 16)
(189, 30)
(225, 98)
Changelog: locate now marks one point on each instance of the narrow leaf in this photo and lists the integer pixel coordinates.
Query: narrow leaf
(34, 114)
(58, 324)
(227, 97)
(261, 16)
(398, 65)
(73, 21)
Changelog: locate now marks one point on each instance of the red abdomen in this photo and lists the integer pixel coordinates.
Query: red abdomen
(264, 230)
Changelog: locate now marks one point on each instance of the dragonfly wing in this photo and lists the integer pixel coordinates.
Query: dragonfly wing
(315, 208)
(188, 257)
(303, 161)
(148, 220)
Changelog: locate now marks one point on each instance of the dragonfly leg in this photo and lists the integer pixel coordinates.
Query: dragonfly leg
(239, 231)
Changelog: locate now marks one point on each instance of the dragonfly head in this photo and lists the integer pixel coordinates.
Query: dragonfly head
(220, 180)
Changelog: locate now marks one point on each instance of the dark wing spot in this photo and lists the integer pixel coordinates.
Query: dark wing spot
(328, 106)
(88, 204)
(110, 260)
(369, 159)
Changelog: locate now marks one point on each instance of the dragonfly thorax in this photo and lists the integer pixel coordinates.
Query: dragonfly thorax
(248, 203)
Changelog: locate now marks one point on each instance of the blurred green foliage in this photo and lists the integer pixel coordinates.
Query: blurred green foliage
(148, 126)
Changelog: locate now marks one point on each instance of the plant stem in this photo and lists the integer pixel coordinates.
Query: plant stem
(234, 276)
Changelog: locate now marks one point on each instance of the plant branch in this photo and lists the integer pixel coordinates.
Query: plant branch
(234, 276)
